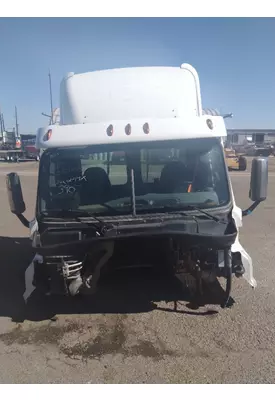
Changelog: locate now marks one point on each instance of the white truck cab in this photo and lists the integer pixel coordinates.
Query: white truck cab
(135, 175)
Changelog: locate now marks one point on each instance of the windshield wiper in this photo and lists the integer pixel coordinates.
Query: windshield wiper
(181, 209)
(192, 207)
(77, 214)
(162, 209)
(78, 211)
(62, 212)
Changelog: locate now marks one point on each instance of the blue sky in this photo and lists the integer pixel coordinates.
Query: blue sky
(235, 59)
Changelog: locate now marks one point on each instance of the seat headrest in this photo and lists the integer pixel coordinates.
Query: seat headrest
(97, 174)
(173, 170)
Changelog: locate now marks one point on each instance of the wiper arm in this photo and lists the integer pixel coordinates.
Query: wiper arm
(162, 209)
(180, 209)
(61, 212)
(77, 214)
(192, 207)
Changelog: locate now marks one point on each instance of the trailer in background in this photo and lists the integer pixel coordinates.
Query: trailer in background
(10, 141)
(11, 155)
(15, 149)
(10, 144)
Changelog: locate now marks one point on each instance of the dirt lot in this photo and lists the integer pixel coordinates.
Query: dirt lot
(125, 334)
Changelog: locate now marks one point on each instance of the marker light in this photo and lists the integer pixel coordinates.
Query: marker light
(47, 135)
(128, 129)
(110, 130)
(146, 128)
(209, 124)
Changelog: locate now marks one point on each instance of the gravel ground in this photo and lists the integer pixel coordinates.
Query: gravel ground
(125, 335)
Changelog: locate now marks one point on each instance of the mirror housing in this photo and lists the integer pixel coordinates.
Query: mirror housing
(259, 179)
(15, 197)
(258, 183)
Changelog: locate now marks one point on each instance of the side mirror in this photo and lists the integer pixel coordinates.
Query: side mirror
(258, 183)
(259, 179)
(15, 197)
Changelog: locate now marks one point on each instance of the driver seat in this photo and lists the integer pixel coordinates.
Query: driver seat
(96, 186)
(174, 178)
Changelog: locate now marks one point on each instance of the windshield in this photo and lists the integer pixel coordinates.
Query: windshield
(167, 175)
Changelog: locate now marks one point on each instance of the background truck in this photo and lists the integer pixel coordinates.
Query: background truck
(234, 161)
(15, 147)
(10, 146)
(10, 141)
(30, 152)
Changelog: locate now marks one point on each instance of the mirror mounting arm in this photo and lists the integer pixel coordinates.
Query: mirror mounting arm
(23, 220)
(250, 209)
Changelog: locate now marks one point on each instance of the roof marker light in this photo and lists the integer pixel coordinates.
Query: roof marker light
(110, 130)
(47, 135)
(209, 124)
(146, 128)
(128, 129)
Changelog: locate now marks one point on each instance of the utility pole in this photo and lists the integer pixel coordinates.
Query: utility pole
(16, 123)
(51, 96)
(2, 126)
(2, 123)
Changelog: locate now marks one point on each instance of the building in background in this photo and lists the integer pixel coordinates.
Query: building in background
(257, 136)
(248, 141)
(241, 136)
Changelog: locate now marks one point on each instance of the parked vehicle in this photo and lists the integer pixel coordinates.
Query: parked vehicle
(251, 149)
(15, 147)
(264, 150)
(168, 204)
(235, 161)
(10, 146)
(30, 151)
